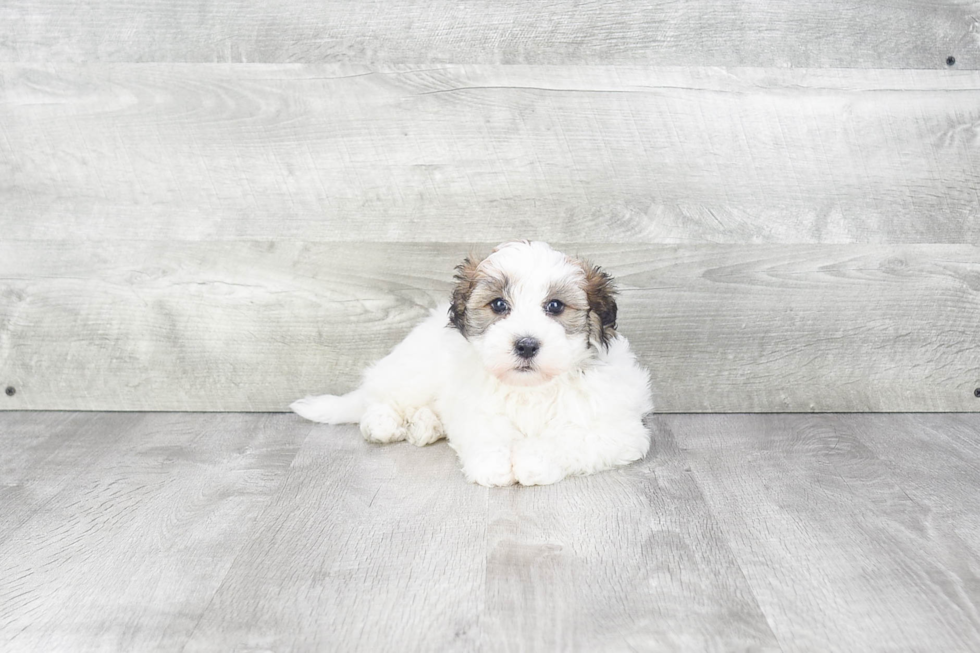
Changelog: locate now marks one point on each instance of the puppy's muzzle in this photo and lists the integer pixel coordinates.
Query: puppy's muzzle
(526, 348)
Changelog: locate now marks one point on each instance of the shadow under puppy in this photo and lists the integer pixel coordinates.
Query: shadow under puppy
(529, 380)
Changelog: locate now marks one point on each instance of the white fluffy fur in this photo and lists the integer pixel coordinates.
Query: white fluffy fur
(578, 411)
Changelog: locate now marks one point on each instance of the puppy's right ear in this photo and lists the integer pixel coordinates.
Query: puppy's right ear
(466, 277)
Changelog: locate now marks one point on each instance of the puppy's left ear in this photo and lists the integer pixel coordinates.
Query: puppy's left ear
(466, 277)
(601, 294)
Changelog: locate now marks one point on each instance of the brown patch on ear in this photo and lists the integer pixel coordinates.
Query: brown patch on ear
(602, 305)
(466, 278)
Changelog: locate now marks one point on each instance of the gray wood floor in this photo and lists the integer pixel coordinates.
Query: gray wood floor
(167, 531)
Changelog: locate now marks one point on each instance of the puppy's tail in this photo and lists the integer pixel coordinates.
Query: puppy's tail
(331, 409)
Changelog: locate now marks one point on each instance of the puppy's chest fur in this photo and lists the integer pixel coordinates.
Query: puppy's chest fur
(531, 411)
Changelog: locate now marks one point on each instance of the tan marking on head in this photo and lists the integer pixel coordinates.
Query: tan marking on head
(570, 292)
(475, 288)
(479, 315)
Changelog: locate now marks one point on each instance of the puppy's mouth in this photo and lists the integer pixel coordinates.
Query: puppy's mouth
(525, 374)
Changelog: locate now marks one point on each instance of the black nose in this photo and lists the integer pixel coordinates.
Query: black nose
(527, 347)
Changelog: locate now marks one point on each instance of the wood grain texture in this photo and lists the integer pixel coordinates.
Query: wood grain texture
(364, 548)
(489, 153)
(199, 532)
(129, 553)
(253, 325)
(630, 560)
(845, 33)
(42, 454)
(800, 498)
(937, 457)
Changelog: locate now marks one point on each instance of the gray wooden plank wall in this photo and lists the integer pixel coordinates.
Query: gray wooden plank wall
(251, 325)
(788, 193)
(486, 153)
(780, 33)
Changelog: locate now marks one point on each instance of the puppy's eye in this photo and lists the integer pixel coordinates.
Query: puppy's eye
(554, 307)
(499, 306)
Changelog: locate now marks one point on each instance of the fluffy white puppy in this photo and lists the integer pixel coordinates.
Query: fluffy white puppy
(528, 380)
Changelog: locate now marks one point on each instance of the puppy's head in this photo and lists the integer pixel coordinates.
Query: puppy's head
(532, 313)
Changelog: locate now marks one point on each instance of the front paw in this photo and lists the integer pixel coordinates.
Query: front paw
(533, 463)
(490, 468)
